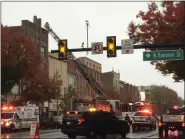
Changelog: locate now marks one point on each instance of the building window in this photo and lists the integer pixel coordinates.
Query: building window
(42, 51)
(54, 106)
(71, 80)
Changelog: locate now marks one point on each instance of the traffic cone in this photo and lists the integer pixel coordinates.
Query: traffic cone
(34, 131)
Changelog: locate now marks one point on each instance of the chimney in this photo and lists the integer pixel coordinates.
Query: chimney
(35, 19)
(39, 22)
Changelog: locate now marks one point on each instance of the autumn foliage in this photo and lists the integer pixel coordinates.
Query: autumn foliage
(18, 57)
(21, 64)
(161, 26)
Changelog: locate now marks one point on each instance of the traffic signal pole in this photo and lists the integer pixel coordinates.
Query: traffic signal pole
(183, 40)
(145, 46)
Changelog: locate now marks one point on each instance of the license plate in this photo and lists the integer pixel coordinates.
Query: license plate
(68, 123)
(138, 118)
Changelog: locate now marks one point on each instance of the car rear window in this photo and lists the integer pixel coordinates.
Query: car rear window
(173, 112)
(142, 114)
(74, 115)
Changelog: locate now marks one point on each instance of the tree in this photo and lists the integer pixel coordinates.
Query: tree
(180, 101)
(161, 27)
(65, 100)
(113, 94)
(40, 89)
(162, 97)
(19, 55)
(21, 61)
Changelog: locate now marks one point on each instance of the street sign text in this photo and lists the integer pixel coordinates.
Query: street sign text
(163, 55)
(127, 46)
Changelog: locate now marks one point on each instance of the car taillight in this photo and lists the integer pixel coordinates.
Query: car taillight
(183, 124)
(2, 123)
(80, 121)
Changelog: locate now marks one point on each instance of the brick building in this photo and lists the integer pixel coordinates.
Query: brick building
(38, 34)
(82, 88)
(110, 82)
(129, 92)
(71, 70)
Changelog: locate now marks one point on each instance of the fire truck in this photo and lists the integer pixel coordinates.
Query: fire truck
(100, 101)
(16, 118)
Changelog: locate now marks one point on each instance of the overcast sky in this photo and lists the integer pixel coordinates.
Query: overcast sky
(106, 19)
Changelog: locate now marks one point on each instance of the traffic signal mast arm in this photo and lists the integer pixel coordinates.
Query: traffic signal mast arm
(145, 46)
(81, 67)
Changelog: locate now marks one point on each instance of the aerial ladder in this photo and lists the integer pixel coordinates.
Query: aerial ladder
(82, 68)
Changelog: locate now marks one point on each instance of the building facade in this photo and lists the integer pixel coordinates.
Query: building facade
(110, 82)
(144, 88)
(129, 92)
(145, 91)
(60, 68)
(38, 34)
(94, 69)
(76, 79)
(71, 70)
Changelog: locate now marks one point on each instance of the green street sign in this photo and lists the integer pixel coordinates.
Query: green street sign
(163, 55)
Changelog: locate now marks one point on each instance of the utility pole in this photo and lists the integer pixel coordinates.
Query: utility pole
(87, 25)
(183, 31)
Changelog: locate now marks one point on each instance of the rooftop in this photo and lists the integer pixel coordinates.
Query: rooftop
(89, 59)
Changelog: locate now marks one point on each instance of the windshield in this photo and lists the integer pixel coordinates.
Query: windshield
(7, 115)
(142, 114)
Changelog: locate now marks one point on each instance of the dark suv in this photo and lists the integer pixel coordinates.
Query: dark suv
(91, 124)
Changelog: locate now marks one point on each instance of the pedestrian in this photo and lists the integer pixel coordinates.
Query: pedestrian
(127, 118)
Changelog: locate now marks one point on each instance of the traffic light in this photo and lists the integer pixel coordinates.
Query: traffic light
(111, 46)
(62, 46)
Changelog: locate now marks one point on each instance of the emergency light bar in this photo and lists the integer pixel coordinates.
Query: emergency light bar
(92, 109)
(6, 108)
(146, 111)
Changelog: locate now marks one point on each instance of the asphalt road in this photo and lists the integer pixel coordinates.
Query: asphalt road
(55, 133)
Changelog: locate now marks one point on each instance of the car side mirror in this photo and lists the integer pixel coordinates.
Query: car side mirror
(114, 118)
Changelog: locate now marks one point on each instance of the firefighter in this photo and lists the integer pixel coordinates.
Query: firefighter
(111, 111)
(127, 118)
